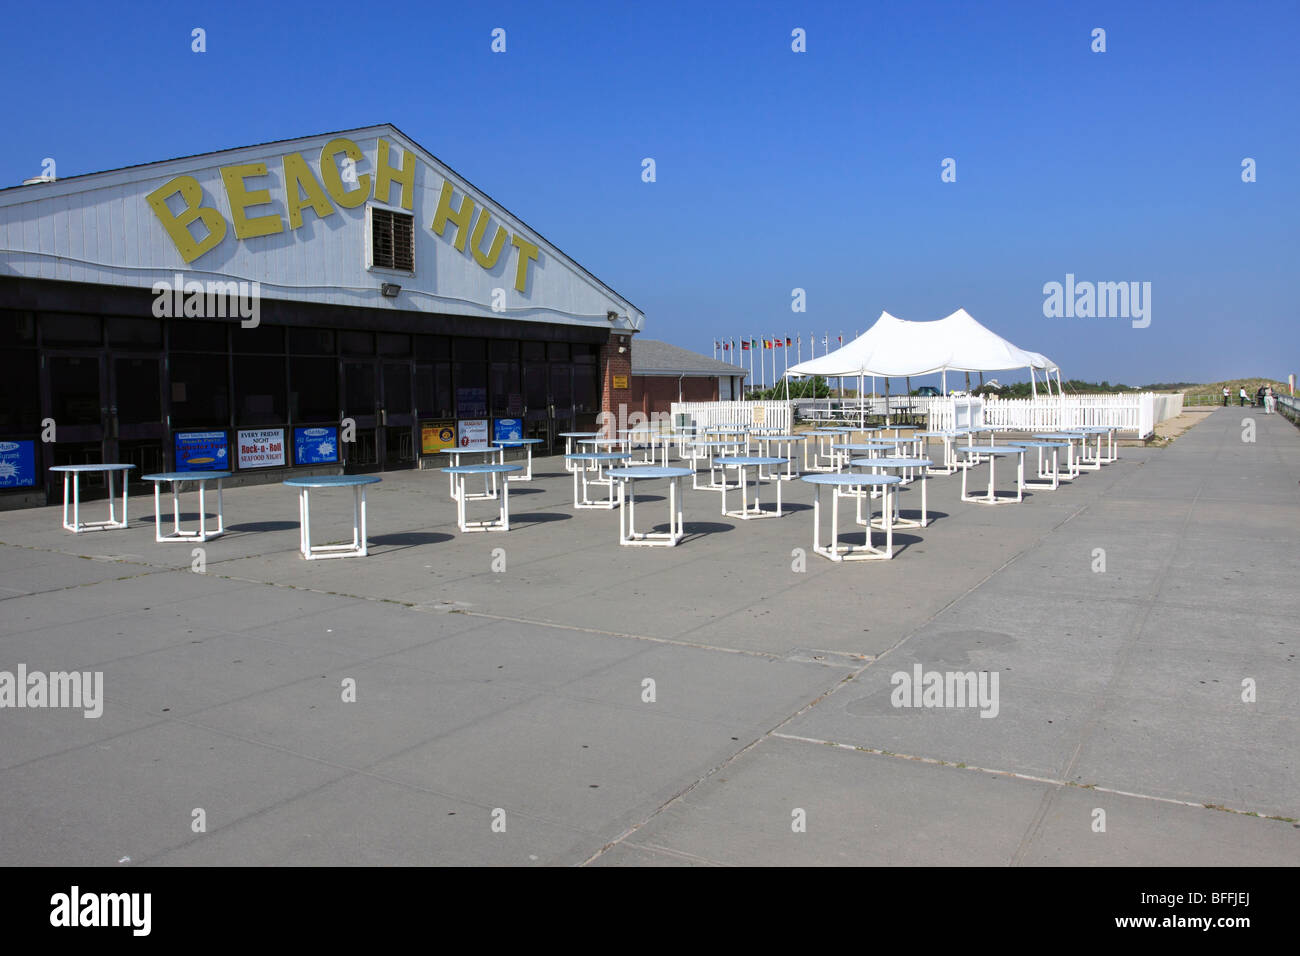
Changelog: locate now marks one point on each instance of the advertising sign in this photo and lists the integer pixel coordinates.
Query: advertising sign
(261, 447)
(506, 429)
(473, 431)
(315, 446)
(202, 451)
(471, 402)
(620, 381)
(17, 464)
(435, 436)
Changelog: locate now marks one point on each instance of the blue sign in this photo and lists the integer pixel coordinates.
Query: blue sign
(17, 464)
(202, 451)
(507, 429)
(315, 446)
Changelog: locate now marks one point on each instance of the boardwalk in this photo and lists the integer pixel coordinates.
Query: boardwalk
(1120, 690)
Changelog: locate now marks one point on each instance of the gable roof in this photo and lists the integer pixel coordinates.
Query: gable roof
(129, 247)
(652, 357)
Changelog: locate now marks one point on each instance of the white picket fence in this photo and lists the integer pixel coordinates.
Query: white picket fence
(759, 414)
(1132, 412)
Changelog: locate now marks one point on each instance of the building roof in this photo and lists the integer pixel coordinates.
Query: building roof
(651, 357)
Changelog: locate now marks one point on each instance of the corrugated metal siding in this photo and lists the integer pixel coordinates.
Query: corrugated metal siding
(100, 229)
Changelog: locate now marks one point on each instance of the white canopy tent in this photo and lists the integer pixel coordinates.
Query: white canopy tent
(895, 348)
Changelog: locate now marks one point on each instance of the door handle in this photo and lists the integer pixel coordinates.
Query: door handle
(383, 416)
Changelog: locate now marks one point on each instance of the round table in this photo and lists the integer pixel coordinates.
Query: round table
(1112, 453)
(358, 483)
(489, 480)
(627, 478)
(1047, 480)
(950, 465)
(582, 462)
(568, 443)
(765, 443)
(1074, 464)
(75, 472)
(713, 449)
(821, 450)
(527, 443)
(855, 483)
(740, 463)
(838, 449)
(903, 464)
(458, 475)
(175, 478)
(993, 453)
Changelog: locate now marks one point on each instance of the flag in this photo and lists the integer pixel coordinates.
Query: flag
(788, 342)
(840, 339)
(715, 345)
(744, 345)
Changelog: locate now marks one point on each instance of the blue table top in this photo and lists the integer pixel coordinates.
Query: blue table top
(840, 428)
(489, 469)
(579, 434)
(1041, 444)
(866, 446)
(85, 468)
(649, 471)
(854, 480)
(186, 476)
(1095, 429)
(469, 448)
(516, 442)
(599, 456)
(601, 441)
(953, 433)
(332, 481)
(716, 444)
(825, 432)
(782, 437)
(892, 461)
(741, 460)
(992, 450)
(1060, 435)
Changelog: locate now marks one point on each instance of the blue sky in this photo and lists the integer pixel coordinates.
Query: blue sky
(775, 170)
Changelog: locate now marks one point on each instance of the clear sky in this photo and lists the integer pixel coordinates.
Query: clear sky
(775, 170)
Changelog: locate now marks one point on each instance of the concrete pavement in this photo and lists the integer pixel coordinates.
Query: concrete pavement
(520, 695)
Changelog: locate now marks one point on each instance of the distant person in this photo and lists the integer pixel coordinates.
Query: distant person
(1242, 397)
(1225, 396)
(1259, 397)
(1270, 401)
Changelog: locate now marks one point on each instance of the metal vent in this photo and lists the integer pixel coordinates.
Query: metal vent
(392, 240)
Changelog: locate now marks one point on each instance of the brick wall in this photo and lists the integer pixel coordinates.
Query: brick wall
(656, 393)
(613, 363)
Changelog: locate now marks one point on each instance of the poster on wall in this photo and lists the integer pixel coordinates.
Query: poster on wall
(435, 436)
(202, 451)
(473, 432)
(471, 402)
(507, 429)
(17, 464)
(261, 447)
(315, 446)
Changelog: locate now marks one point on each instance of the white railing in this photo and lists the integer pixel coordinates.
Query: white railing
(759, 414)
(1134, 412)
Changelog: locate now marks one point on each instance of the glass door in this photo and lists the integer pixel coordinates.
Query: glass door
(137, 432)
(397, 415)
(361, 404)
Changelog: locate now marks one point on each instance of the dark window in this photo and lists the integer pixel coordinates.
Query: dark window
(313, 389)
(191, 335)
(135, 333)
(138, 389)
(311, 341)
(470, 350)
(259, 385)
(534, 352)
(507, 351)
(20, 398)
(557, 351)
(74, 391)
(61, 328)
(432, 347)
(392, 239)
(584, 354)
(504, 386)
(356, 343)
(17, 328)
(433, 390)
(260, 338)
(390, 344)
(199, 390)
(360, 388)
(585, 391)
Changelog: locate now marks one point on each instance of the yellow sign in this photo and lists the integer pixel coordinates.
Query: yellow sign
(435, 436)
(302, 190)
(760, 415)
(620, 381)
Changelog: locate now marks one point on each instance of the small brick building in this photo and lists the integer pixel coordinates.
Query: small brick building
(661, 374)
